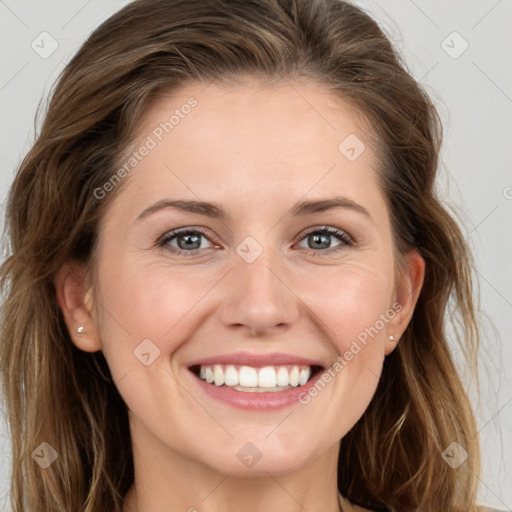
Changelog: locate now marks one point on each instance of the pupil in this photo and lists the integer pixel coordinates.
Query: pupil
(319, 238)
(188, 242)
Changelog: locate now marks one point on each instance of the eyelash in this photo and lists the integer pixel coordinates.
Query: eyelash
(347, 240)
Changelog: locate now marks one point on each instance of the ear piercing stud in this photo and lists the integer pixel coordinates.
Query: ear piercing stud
(81, 330)
(392, 338)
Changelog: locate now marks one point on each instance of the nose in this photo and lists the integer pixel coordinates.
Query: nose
(257, 298)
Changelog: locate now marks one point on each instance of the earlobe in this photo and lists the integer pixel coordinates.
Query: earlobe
(390, 344)
(76, 303)
(407, 291)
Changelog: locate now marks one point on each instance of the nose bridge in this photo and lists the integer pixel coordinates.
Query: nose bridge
(257, 295)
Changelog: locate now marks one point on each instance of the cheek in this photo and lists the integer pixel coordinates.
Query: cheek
(153, 302)
(148, 302)
(350, 298)
(352, 308)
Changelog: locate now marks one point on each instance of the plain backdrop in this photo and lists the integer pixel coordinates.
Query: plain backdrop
(458, 51)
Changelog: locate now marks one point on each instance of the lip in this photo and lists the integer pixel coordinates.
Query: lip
(255, 360)
(260, 402)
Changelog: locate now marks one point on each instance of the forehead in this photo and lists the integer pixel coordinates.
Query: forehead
(251, 140)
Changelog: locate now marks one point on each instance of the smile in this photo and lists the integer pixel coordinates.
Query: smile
(256, 388)
(252, 379)
(255, 382)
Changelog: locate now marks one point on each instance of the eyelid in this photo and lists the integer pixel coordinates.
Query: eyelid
(162, 240)
(346, 240)
(330, 230)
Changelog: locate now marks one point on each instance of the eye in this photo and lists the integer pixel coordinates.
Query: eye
(320, 238)
(188, 240)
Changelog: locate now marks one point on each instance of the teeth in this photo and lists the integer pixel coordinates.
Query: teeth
(303, 377)
(218, 375)
(230, 376)
(294, 376)
(283, 378)
(267, 377)
(247, 378)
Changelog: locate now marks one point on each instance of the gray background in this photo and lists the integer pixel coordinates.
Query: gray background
(473, 92)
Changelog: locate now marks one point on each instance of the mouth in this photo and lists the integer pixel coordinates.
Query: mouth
(252, 379)
(255, 382)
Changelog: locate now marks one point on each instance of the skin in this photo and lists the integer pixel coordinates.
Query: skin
(256, 150)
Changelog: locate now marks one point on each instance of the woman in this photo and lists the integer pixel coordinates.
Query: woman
(173, 336)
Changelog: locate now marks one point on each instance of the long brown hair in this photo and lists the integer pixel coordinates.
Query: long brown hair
(55, 393)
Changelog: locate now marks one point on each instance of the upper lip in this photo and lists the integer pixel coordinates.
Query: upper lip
(255, 360)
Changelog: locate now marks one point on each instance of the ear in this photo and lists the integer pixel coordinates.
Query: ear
(407, 290)
(76, 303)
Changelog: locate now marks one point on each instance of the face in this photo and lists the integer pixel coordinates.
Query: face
(282, 279)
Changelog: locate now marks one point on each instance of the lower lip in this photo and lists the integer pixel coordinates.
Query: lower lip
(253, 401)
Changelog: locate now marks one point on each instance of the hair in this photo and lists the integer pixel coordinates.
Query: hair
(391, 459)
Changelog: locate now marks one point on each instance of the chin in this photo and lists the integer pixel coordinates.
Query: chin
(255, 459)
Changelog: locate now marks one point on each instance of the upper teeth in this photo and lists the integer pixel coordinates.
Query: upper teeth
(247, 376)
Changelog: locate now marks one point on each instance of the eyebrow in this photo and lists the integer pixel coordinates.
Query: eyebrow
(216, 211)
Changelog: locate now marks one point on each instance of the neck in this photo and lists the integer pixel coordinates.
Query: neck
(131, 504)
